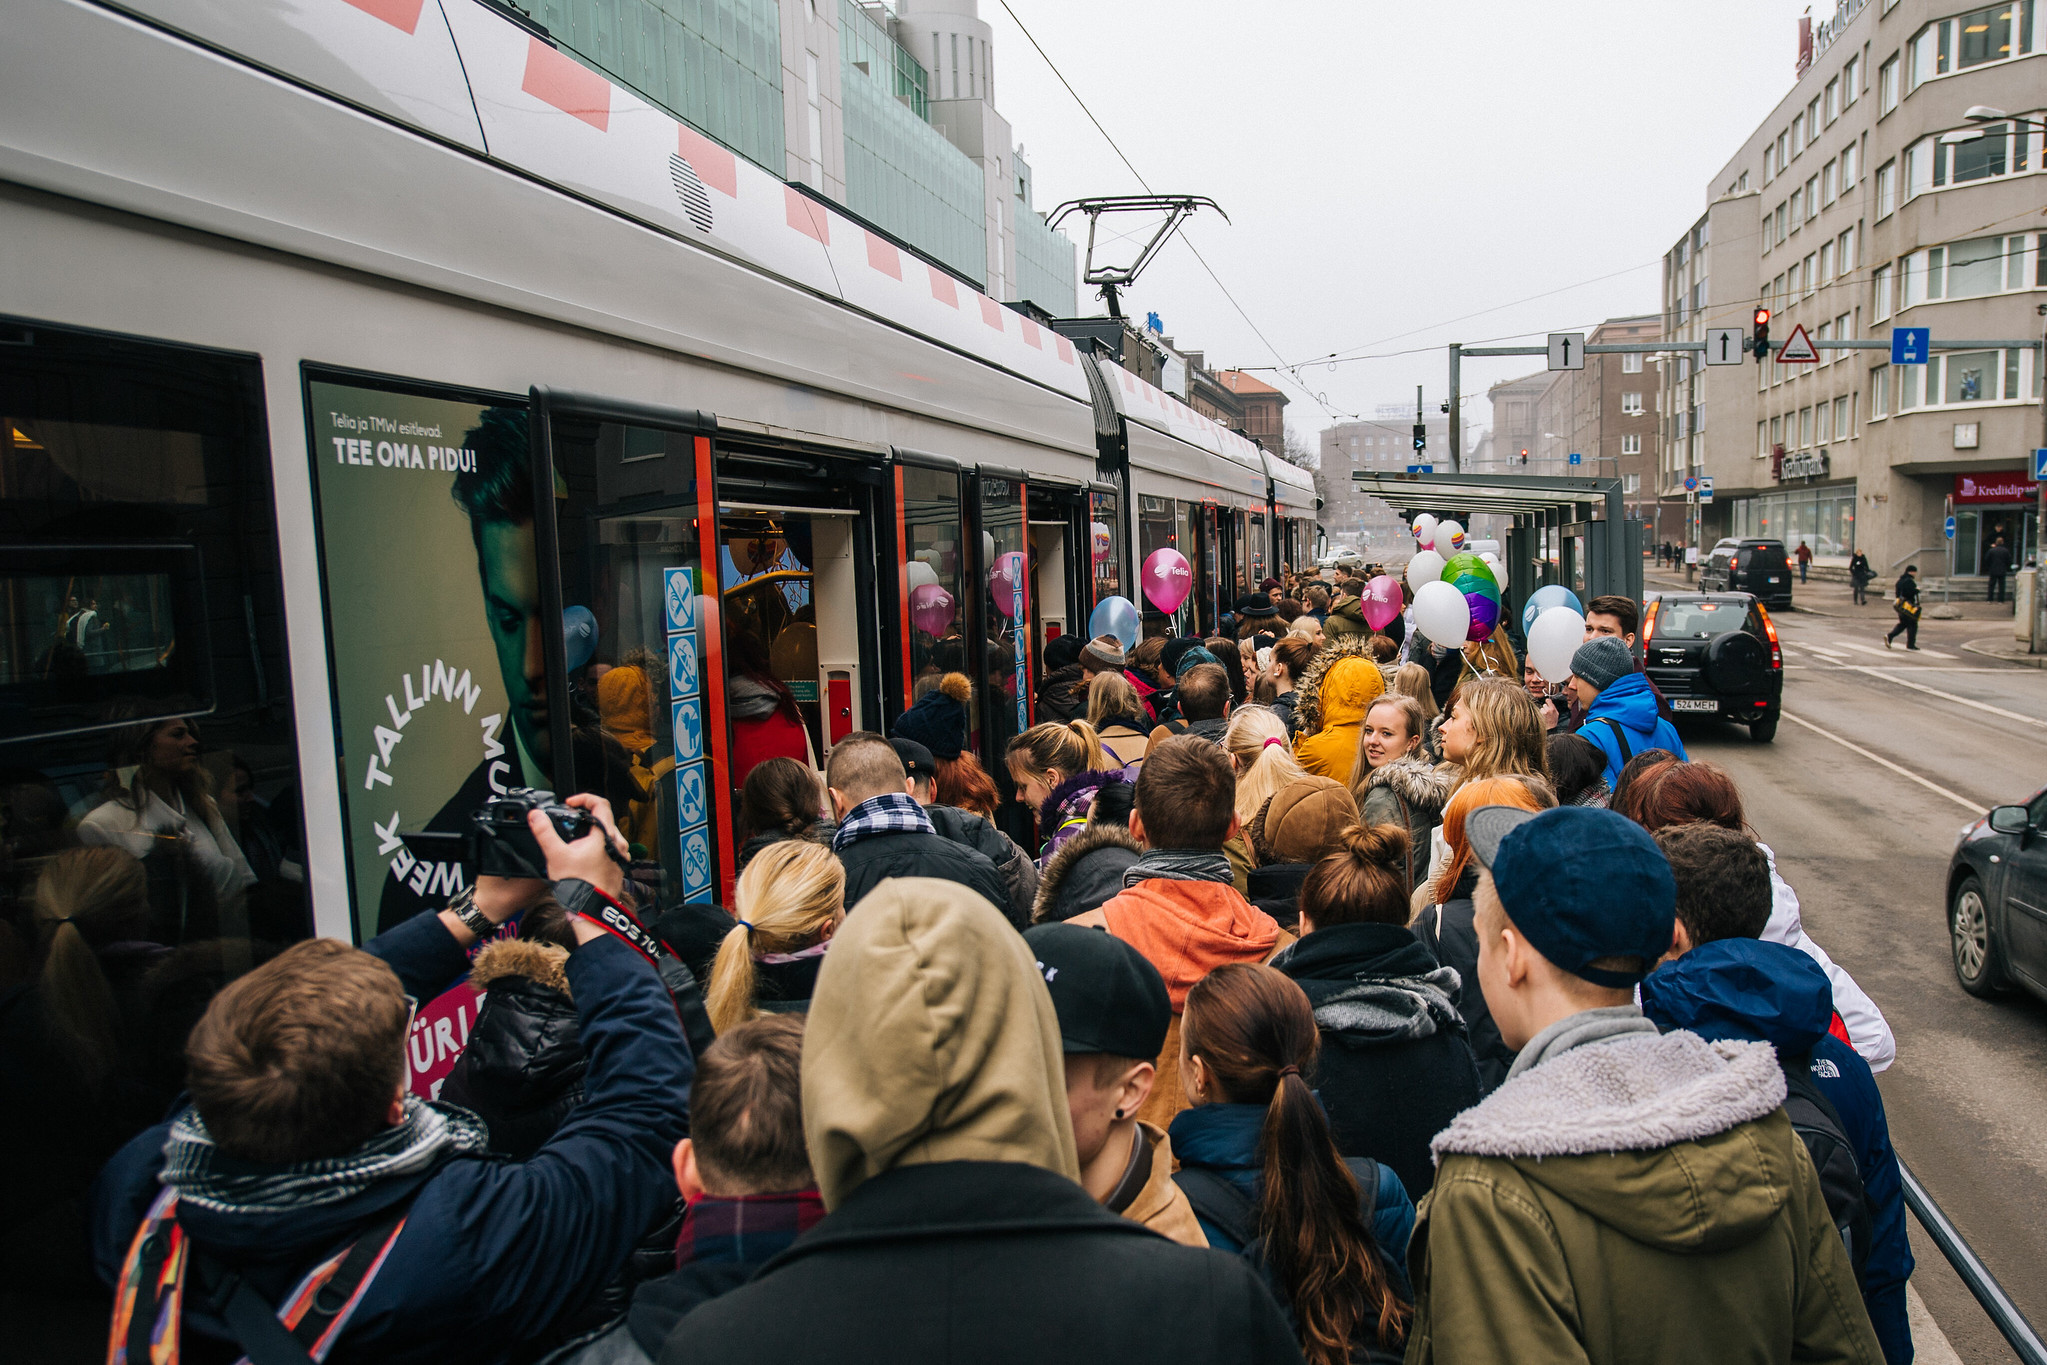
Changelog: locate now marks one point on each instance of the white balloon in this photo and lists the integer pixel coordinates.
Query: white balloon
(1424, 524)
(1425, 567)
(922, 575)
(1552, 640)
(1447, 538)
(1442, 614)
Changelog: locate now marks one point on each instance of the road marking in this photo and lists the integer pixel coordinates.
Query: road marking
(1946, 696)
(1889, 653)
(1829, 651)
(1964, 802)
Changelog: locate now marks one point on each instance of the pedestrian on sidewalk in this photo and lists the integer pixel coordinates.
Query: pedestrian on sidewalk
(1859, 576)
(1907, 604)
(1804, 559)
(1997, 564)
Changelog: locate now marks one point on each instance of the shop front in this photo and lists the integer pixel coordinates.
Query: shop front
(1822, 516)
(1992, 505)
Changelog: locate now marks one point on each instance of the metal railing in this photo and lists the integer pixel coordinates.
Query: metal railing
(2004, 1314)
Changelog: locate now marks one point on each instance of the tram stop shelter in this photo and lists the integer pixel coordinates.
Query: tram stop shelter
(1570, 531)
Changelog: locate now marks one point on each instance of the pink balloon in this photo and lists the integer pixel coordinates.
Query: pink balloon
(1167, 579)
(931, 609)
(1006, 579)
(1382, 602)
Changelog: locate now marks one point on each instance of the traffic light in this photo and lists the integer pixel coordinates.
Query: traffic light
(1524, 454)
(1421, 436)
(1761, 345)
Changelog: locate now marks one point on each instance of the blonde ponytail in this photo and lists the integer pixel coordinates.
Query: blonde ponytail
(1052, 752)
(1256, 744)
(102, 889)
(790, 897)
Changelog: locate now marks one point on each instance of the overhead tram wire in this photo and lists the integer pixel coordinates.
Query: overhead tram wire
(1318, 399)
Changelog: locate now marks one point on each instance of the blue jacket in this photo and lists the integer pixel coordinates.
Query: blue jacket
(1745, 988)
(1631, 702)
(1224, 1138)
(493, 1251)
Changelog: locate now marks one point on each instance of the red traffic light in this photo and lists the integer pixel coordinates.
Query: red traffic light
(1762, 317)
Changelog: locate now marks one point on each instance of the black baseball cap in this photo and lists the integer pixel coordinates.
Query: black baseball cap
(918, 761)
(1108, 998)
(1580, 884)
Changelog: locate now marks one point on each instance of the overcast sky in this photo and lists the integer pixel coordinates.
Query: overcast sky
(1388, 169)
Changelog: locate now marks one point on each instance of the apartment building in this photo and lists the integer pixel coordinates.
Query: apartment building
(1900, 183)
(1382, 443)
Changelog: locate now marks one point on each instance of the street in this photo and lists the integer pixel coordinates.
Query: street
(1863, 834)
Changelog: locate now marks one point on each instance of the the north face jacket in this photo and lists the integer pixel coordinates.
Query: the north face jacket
(1630, 703)
(1631, 1197)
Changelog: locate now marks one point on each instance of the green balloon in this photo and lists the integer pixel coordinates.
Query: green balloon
(1469, 574)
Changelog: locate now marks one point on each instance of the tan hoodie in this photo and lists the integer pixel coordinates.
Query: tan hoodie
(931, 1037)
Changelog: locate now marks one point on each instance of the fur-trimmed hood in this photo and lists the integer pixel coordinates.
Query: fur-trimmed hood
(1085, 871)
(1425, 789)
(1308, 699)
(542, 963)
(1068, 802)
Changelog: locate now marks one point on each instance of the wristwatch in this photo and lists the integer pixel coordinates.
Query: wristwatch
(463, 907)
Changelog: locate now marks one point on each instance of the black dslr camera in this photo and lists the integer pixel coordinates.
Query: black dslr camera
(499, 843)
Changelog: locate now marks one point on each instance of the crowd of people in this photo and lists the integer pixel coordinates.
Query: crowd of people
(1354, 996)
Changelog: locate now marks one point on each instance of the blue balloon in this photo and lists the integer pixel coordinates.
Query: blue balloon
(579, 636)
(1115, 616)
(1555, 595)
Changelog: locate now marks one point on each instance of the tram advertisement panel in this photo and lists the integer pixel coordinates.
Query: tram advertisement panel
(432, 593)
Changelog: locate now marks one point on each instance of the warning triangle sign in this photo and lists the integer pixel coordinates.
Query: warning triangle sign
(1798, 349)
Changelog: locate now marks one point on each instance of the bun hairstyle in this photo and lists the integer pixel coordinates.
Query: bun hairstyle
(1255, 1034)
(1363, 882)
(1052, 752)
(790, 897)
(779, 796)
(1257, 745)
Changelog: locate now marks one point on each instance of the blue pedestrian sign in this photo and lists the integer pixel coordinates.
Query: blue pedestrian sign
(1910, 345)
(1947, 528)
(2039, 465)
(1577, 457)
(1421, 469)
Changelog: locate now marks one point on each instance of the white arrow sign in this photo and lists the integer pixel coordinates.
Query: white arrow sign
(1567, 350)
(1724, 345)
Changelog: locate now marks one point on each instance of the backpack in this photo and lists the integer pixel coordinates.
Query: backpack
(1818, 1125)
(1218, 1201)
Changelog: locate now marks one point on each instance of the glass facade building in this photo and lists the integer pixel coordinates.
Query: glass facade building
(1045, 270)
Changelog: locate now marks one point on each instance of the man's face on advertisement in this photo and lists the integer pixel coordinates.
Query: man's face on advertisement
(511, 602)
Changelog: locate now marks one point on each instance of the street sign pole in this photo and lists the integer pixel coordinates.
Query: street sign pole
(1948, 529)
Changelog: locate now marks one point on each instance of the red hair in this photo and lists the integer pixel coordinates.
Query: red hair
(1486, 791)
(963, 782)
(1678, 793)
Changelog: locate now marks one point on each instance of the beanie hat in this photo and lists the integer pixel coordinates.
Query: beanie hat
(939, 719)
(1105, 650)
(1061, 651)
(1602, 661)
(1194, 658)
(1175, 650)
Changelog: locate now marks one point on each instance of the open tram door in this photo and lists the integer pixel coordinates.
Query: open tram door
(1062, 541)
(1004, 663)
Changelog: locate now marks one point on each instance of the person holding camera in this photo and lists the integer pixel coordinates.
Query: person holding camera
(303, 1205)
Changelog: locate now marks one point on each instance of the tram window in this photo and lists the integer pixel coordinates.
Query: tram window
(1005, 672)
(1105, 535)
(1163, 524)
(936, 632)
(158, 809)
(1258, 546)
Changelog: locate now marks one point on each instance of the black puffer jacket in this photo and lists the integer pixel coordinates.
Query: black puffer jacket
(1019, 872)
(819, 833)
(1086, 871)
(1062, 696)
(1448, 932)
(873, 859)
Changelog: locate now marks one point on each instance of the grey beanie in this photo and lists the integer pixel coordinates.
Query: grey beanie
(1602, 661)
(1105, 650)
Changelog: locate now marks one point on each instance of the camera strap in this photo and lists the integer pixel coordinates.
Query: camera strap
(579, 897)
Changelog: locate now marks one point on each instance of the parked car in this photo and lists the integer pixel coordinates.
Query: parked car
(1754, 566)
(1716, 654)
(1997, 900)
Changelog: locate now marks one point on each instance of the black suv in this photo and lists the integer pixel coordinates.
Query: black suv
(1757, 567)
(1716, 654)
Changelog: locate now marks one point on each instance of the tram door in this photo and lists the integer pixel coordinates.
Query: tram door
(1061, 553)
(1211, 576)
(631, 543)
(1005, 671)
(791, 610)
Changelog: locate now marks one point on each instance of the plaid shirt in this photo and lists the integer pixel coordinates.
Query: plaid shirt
(746, 1229)
(889, 813)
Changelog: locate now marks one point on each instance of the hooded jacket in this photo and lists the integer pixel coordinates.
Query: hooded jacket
(957, 1230)
(521, 1070)
(1062, 696)
(1086, 871)
(1063, 813)
(492, 1252)
(1395, 1066)
(1630, 702)
(1334, 693)
(1411, 794)
(1346, 617)
(1745, 988)
(1628, 1196)
(1160, 1204)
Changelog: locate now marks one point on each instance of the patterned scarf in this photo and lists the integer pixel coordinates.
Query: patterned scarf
(746, 1229)
(204, 1175)
(1179, 865)
(889, 813)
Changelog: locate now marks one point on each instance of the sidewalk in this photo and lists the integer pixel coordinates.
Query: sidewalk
(2005, 649)
(1821, 598)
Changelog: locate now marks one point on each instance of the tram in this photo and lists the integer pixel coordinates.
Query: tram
(377, 382)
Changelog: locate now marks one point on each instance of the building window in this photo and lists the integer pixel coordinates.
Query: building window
(1812, 198)
(1631, 444)
(1971, 154)
(1783, 150)
(1804, 428)
(1812, 120)
(1844, 251)
(1762, 439)
(1631, 404)
(1887, 87)
(1851, 81)
(1833, 100)
(1996, 34)
(1968, 269)
(1826, 262)
(1879, 391)
(1886, 190)
(1811, 276)
(1827, 173)
(1776, 433)
(1842, 407)
(1880, 293)
(1824, 415)
(1824, 332)
(1783, 221)
(1797, 209)
(1631, 362)
(1797, 134)
(1850, 156)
